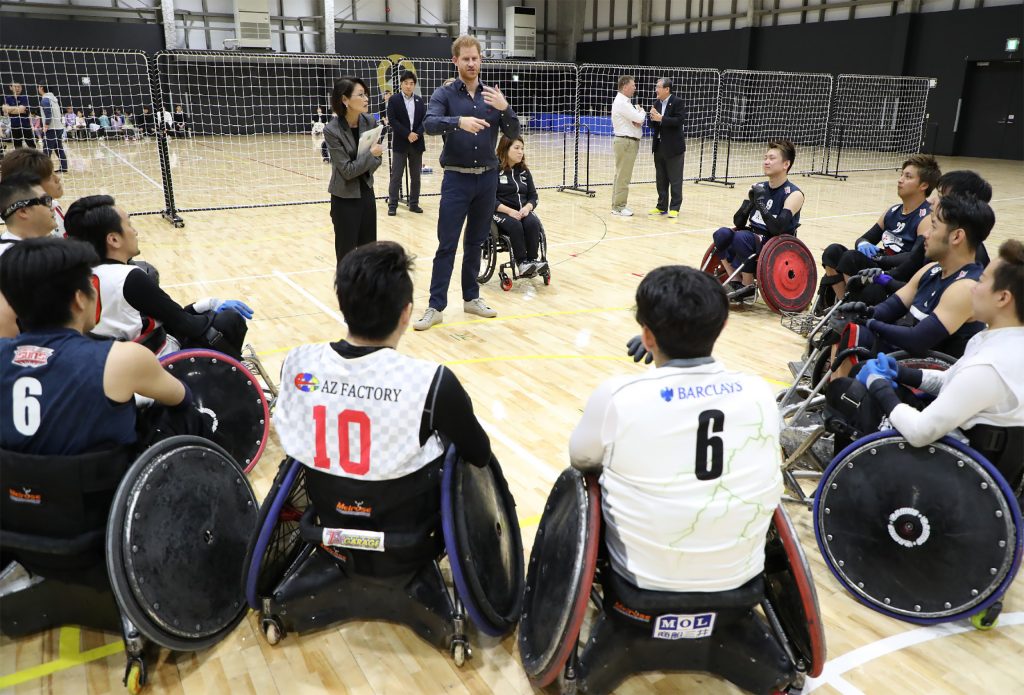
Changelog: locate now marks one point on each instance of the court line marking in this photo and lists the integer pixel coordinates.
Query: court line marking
(547, 472)
(143, 174)
(835, 668)
(68, 656)
(631, 237)
(313, 300)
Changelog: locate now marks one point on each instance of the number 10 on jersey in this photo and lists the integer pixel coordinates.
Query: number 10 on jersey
(347, 419)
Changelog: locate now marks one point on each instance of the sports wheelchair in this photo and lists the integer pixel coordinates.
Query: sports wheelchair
(807, 436)
(496, 243)
(926, 535)
(152, 549)
(786, 277)
(230, 397)
(637, 630)
(301, 576)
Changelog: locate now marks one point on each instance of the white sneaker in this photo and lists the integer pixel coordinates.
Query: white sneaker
(527, 269)
(479, 308)
(431, 317)
(624, 212)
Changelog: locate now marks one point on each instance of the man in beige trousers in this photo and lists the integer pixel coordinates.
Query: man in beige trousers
(627, 122)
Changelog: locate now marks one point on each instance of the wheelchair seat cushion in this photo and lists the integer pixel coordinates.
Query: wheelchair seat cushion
(633, 598)
(59, 497)
(406, 506)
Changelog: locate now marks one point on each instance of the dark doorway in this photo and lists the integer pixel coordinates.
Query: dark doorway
(991, 111)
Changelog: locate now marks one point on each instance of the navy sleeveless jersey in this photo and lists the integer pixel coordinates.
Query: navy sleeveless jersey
(776, 201)
(51, 395)
(929, 292)
(899, 231)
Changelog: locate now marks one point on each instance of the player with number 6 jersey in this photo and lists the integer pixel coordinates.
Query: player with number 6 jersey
(688, 453)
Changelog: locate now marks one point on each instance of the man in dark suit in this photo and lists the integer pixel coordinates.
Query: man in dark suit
(668, 121)
(405, 116)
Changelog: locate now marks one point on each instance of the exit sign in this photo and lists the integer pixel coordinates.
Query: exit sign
(1012, 45)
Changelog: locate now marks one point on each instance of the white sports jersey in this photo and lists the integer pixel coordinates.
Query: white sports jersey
(1001, 349)
(358, 417)
(691, 474)
(118, 319)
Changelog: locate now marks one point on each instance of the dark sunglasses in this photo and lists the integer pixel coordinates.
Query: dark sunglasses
(22, 204)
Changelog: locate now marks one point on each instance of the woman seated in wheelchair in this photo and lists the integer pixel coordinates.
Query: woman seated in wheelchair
(688, 454)
(514, 212)
(369, 423)
(982, 391)
(69, 394)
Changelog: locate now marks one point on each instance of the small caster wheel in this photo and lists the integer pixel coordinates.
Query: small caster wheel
(988, 618)
(271, 631)
(135, 676)
(506, 283)
(459, 653)
(547, 278)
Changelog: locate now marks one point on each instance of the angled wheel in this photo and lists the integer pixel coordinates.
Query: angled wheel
(488, 256)
(506, 282)
(787, 276)
(711, 264)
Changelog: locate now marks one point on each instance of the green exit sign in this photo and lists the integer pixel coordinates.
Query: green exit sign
(1012, 45)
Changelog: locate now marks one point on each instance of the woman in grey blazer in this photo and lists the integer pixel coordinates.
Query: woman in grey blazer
(353, 209)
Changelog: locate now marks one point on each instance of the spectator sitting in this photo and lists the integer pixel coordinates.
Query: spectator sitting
(69, 122)
(104, 124)
(81, 128)
(92, 122)
(181, 123)
(129, 126)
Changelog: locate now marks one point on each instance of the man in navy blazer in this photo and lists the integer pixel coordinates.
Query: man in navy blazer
(668, 121)
(405, 117)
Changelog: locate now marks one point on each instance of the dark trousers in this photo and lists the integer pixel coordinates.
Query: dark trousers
(355, 221)
(669, 174)
(737, 245)
(53, 140)
(465, 199)
(19, 134)
(398, 161)
(524, 235)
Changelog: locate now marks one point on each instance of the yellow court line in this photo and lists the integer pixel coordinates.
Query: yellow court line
(69, 657)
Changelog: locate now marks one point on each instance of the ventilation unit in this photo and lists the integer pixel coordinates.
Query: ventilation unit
(252, 23)
(520, 32)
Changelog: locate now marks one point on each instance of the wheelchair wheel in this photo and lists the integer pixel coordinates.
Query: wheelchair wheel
(277, 542)
(787, 276)
(711, 264)
(488, 257)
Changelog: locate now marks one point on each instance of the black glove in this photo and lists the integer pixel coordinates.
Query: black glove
(869, 275)
(637, 350)
(856, 309)
(756, 192)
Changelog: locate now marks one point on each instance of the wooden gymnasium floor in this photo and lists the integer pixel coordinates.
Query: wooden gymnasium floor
(529, 373)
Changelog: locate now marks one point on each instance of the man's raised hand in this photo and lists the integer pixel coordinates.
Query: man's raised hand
(494, 98)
